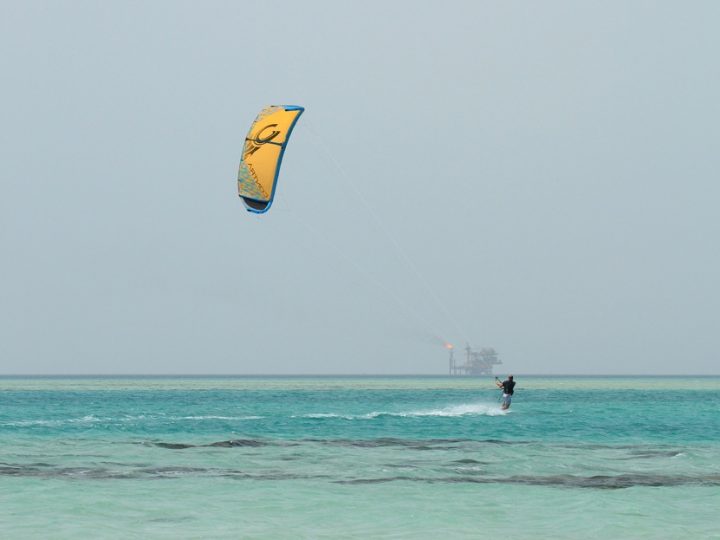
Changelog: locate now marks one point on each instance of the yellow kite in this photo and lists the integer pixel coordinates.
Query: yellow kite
(263, 152)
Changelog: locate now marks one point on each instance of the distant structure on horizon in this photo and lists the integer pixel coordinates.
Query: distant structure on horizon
(477, 363)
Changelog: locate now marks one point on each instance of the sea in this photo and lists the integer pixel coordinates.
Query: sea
(359, 457)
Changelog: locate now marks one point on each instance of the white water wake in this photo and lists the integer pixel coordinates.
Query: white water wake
(465, 409)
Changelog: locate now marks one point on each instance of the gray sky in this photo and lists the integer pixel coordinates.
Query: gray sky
(544, 172)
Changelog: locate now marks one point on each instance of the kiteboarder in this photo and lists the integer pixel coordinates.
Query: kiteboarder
(507, 386)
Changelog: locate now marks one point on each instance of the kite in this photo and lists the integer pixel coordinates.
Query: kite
(262, 155)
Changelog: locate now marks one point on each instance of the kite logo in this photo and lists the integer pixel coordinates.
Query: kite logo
(254, 144)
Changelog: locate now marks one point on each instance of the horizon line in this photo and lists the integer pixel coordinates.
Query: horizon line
(446, 375)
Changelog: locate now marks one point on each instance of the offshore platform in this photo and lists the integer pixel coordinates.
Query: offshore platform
(476, 362)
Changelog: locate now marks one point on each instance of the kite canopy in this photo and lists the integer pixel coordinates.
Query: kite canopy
(262, 155)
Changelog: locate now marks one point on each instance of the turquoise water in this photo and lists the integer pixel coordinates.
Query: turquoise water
(359, 457)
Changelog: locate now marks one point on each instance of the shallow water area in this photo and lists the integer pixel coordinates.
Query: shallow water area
(328, 457)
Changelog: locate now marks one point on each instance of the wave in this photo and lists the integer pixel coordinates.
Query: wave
(213, 417)
(164, 472)
(92, 419)
(601, 482)
(621, 481)
(233, 443)
(415, 444)
(89, 419)
(325, 415)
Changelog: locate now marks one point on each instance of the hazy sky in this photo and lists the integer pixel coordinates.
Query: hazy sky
(541, 177)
